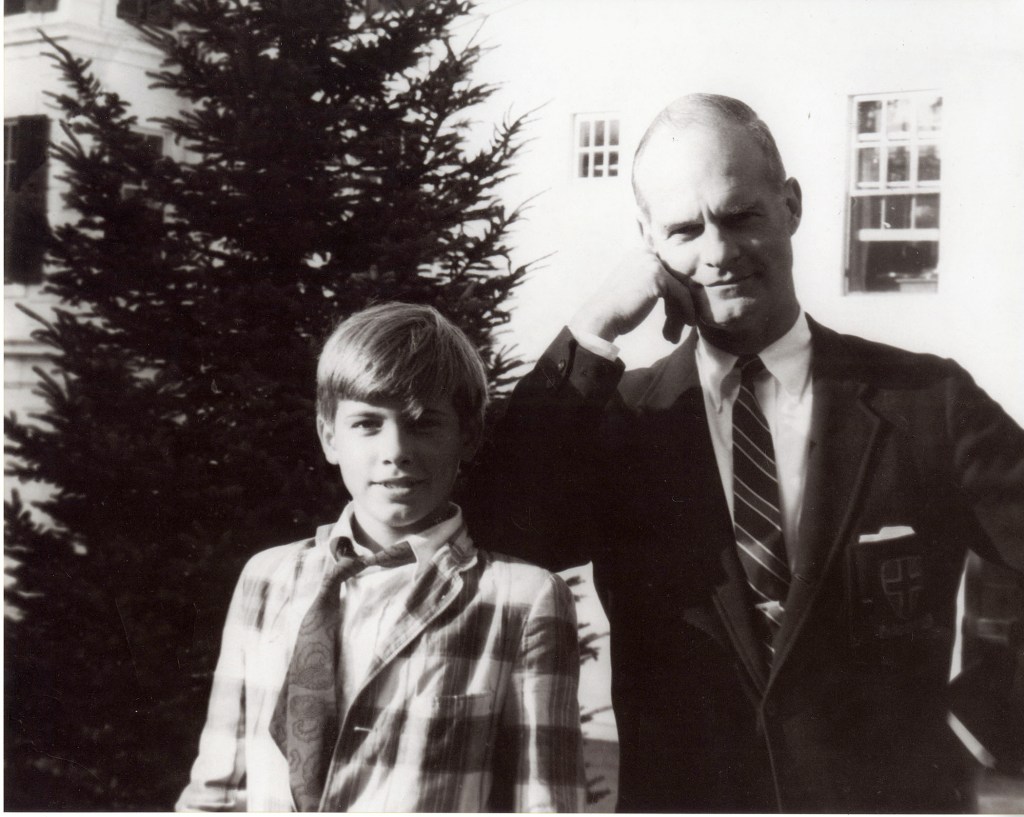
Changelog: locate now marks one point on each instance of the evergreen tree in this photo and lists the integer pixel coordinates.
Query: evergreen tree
(328, 167)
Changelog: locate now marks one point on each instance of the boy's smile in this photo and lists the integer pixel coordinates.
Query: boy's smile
(398, 468)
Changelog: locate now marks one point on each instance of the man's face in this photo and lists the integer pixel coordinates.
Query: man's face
(717, 222)
(399, 469)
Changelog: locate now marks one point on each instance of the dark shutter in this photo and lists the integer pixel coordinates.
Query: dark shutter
(26, 226)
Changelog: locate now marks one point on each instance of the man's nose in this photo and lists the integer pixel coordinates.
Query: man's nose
(718, 248)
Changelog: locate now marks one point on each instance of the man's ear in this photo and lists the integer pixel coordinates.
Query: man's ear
(794, 202)
(325, 431)
(643, 224)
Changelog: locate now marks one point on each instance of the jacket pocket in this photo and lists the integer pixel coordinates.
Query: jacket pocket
(888, 595)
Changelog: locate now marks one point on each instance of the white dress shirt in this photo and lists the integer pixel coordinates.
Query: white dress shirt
(785, 394)
(373, 600)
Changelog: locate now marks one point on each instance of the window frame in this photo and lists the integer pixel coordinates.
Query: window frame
(885, 141)
(584, 166)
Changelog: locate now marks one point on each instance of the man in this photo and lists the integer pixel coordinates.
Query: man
(777, 514)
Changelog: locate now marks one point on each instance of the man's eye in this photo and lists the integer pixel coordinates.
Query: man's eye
(739, 219)
(687, 231)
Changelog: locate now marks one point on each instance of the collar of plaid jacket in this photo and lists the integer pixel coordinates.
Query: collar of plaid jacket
(425, 545)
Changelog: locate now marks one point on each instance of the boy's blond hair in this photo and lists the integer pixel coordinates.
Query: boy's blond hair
(405, 352)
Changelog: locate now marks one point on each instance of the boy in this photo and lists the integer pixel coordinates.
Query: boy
(387, 664)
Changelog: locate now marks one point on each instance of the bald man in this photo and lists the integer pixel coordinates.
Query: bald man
(777, 514)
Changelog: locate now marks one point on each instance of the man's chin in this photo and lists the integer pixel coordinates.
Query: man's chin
(730, 327)
(729, 315)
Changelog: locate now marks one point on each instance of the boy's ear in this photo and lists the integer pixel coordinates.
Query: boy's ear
(325, 431)
(472, 436)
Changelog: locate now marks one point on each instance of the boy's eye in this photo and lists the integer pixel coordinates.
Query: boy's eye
(365, 423)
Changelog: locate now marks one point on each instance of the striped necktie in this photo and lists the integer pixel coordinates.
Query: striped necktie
(305, 721)
(756, 515)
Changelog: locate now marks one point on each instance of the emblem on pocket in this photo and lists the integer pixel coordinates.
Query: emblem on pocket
(902, 581)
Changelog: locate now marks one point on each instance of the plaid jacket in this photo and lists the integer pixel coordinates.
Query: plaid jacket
(470, 706)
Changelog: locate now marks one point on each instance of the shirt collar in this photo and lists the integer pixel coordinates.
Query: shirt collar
(788, 360)
(424, 544)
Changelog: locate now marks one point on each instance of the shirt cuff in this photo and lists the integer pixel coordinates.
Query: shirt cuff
(596, 345)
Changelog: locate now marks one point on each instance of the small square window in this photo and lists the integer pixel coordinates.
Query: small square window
(597, 146)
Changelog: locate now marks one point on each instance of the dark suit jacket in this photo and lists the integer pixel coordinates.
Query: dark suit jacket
(590, 464)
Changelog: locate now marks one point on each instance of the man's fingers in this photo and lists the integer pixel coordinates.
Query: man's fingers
(679, 308)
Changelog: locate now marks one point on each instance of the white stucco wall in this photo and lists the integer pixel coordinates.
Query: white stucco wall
(796, 62)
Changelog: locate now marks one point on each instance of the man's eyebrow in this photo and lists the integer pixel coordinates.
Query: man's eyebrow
(739, 207)
(684, 223)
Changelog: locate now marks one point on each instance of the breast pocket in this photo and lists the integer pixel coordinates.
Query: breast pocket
(889, 591)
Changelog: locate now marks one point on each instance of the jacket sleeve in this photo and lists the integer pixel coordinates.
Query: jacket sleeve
(988, 462)
(535, 484)
(540, 724)
(218, 776)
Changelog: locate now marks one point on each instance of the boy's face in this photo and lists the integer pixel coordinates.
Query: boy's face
(398, 469)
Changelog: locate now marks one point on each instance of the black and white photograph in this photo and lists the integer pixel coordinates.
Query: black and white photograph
(574, 406)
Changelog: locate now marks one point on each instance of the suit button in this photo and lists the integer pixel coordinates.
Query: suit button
(562, 364)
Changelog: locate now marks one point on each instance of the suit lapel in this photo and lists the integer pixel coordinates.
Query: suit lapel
(842, 437)
(677, 392)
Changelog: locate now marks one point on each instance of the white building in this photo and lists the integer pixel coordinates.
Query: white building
(97, 30)
(900, 118)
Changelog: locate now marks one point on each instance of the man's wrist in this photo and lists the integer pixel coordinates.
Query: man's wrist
(594, 343)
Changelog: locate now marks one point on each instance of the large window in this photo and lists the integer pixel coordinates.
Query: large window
(894, 193)
(21, 6)
(596, 146)
(150, 12)
(26, 226)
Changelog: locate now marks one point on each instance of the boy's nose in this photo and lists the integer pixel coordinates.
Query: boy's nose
(395, 448)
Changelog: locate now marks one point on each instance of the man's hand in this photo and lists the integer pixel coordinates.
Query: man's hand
(629, 294)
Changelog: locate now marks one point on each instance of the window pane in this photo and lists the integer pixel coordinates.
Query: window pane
(929, 165)
(584, 165)
(900, 266)
(897, 116)
(10, 129)
(868, 116)
(929, 114)
(598, 165)
(599, 133)
(613, 163)
(867, 213)
(926, 211)
(899, 165)
(613, 132)
(867, 166)
(897, 213)
(584, 134)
